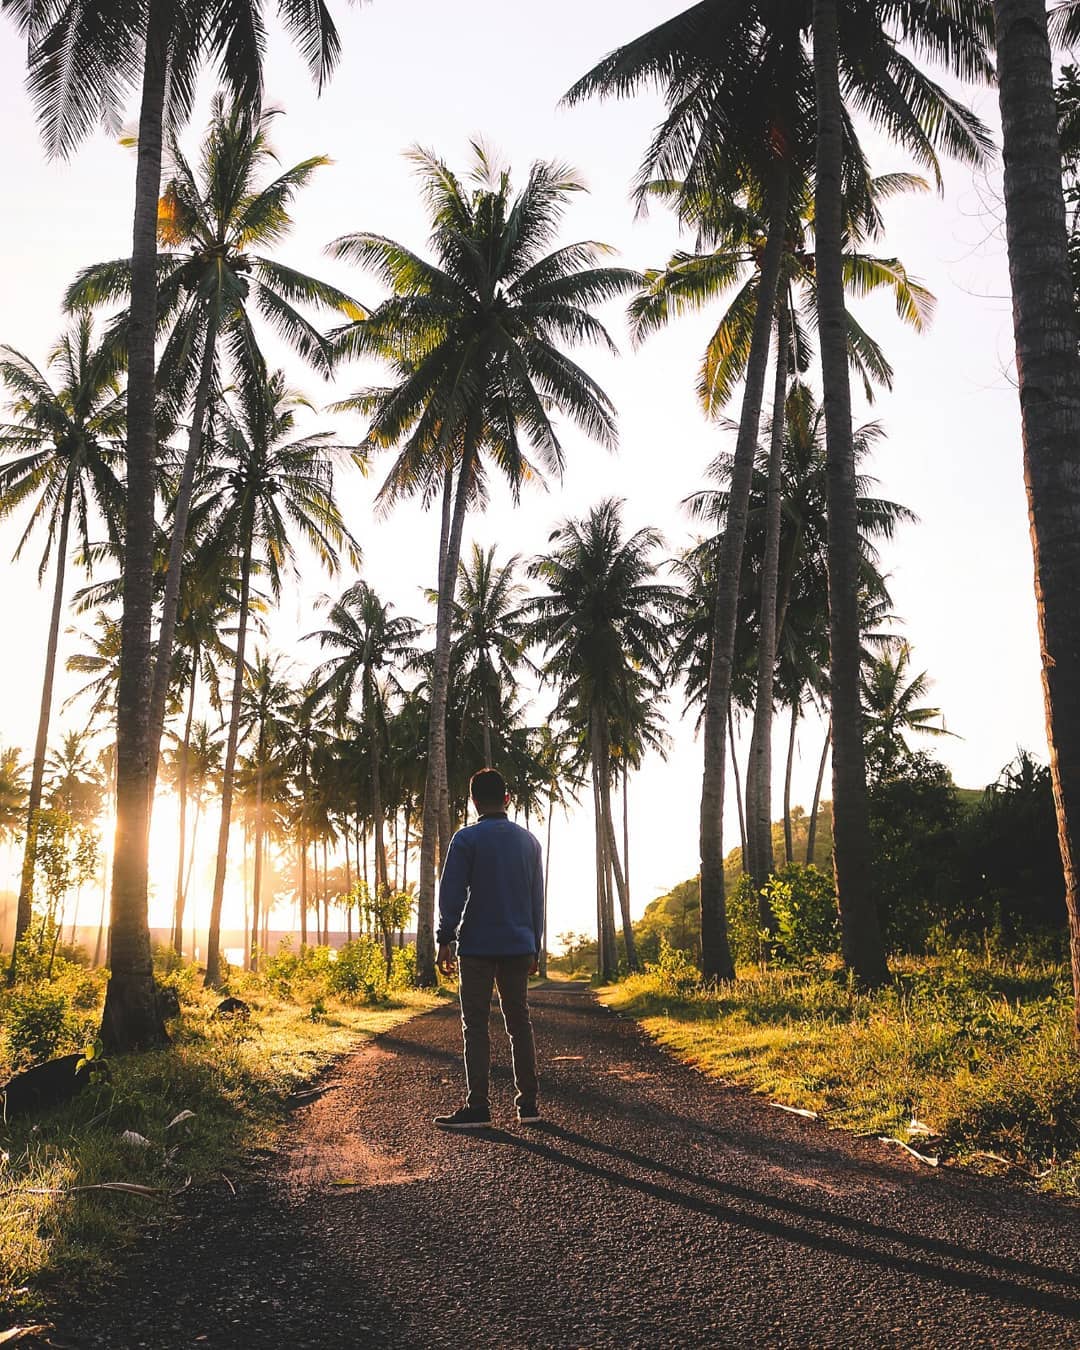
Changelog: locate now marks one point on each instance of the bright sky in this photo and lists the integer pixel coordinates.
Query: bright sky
(417, 71)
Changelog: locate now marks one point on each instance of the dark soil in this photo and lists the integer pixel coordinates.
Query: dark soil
(654, 1208)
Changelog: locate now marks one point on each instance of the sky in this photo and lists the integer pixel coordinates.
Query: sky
(416, 71)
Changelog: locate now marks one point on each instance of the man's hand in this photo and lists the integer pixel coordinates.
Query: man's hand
(534, 969)
(447, 961)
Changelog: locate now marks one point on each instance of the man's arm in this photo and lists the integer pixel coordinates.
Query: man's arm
(538, 897)
(453, 890)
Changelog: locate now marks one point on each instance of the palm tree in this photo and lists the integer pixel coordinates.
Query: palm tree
(476, 340)
(740, 97)
(1045, 323)
(13, 791)
(213, 276)
(486, 653)
(271, 487)
(731, 242)
(62, 450)
(956, 37)
(892, 708)
(603, 624)
(84, 60)
(369, 644)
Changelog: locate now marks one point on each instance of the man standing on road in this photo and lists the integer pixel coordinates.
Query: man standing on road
(491, 900)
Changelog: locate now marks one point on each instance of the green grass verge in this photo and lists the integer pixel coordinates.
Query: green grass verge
(235, 1076)
(979, 1051)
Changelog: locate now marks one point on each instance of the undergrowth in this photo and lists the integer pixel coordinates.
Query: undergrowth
(159, 1121)
(966, 1058)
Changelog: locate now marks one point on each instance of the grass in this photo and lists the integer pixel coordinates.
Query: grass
(962, 1057)
(234, 1076)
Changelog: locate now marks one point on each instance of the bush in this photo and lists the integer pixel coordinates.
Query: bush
(673, 971)
(39, 1022)
(803, 900)
(403, 972)
(915, 818)
(359, 971)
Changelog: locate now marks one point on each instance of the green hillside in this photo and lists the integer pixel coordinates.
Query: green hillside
(676, 915)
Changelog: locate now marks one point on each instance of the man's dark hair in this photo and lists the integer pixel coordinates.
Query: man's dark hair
(487, 787)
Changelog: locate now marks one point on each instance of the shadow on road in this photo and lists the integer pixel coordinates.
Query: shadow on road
(813, 1232)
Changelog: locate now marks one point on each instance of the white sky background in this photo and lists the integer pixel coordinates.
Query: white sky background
(420, 71)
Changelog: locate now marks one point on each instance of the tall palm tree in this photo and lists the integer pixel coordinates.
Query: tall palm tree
(83, 62)
(272, 487)
(370, 644)
(215, 226)
(739, 91)
(956, 36)
(486, 654)
(731, 244)
(477, 340)
(603, 624)
(61, 452)
(1045, 324)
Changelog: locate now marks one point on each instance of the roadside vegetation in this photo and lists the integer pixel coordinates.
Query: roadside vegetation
(77, 1182)
(965, 1057)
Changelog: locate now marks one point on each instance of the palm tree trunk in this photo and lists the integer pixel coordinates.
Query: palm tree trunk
(37, 773)
(256, 889)
(864, 952)
(213, 939)
(486, 726)
(789, 848)
(99, 945)
(626, 823)
(382, 877)
(743, 858)
(759, 824)
(716, 958)
(811, 836)
(303, 846)
(621, 887)
(191, 855)
(130, 1019)
(405, 846)
(608, 959)
(436, 761)
(445, 825)
(325, 894)
(547, 878)
(181, 855)
(1045, 324)
(170, 605)
(348, 878)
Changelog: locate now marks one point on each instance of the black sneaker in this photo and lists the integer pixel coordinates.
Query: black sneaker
(528, 1113)
(465, 1118)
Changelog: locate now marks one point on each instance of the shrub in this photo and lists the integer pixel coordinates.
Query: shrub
(673, 970)
(39, 1021)
(403, 971)
(804, 902)
(359, 971)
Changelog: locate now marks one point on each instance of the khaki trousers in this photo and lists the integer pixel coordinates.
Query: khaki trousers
(477, 976)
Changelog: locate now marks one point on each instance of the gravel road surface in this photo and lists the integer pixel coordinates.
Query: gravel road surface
(653, 1208)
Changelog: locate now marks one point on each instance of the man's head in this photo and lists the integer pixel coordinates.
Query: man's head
(487, 787)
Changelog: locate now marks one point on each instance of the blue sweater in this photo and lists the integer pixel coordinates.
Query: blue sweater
(491, 895)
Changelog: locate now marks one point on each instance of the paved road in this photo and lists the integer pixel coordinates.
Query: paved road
(656, 1208)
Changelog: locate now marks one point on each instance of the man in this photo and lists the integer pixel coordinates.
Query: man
(491, 899)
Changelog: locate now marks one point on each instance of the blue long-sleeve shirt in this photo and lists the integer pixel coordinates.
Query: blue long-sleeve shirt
(491, 894)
